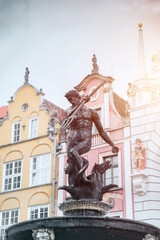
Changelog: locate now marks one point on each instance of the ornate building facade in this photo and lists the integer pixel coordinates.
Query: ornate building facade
(27, 157)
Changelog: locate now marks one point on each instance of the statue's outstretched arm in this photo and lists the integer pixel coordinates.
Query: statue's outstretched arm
(102, 133)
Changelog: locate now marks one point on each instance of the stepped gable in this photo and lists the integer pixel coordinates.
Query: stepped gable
(120, 105)
(51, 106)
(3, 111)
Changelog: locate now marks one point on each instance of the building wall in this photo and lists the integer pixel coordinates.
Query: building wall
(27, 195)
(145, 124)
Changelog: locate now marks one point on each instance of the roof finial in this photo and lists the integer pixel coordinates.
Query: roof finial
(26, 77)
(141, 58)
(95, 66)
(140, 25)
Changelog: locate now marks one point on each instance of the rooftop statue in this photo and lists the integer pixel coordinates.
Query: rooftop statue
(95, 65)
(79, 122)
(26, 77)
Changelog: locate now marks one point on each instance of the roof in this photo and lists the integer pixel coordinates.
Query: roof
(120, 105)
(51, 106)
(3, 111)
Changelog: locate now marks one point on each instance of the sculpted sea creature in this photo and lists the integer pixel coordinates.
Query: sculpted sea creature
(90, 187)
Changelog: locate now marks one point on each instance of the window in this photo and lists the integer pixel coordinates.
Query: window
(33, 128)
(40, 169)
(16, 132)
(41, 211)
(111, 176)
(94, 129)
(12, 175)
(8, 218)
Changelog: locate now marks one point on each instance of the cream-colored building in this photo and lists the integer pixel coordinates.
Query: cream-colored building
(27, 158)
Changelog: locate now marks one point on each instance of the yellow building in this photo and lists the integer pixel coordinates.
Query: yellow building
(27, 158)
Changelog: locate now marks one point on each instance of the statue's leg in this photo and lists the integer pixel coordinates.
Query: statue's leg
(72, 176)
(83, 147)
(70, 161)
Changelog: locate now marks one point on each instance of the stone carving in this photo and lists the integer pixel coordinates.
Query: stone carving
(79, 142)
(139, 155)
(155, 95)
(42, 234)
(131, 89)
(156, 61)
(52, 124)
(150, 237)
(139, 182)
(110, 201)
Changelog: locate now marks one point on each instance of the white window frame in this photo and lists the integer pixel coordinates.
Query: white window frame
(31, 135)
(37, 207)
(39, 170)
(3, 227)
(12, 176)
(13, 131)
(110, 154)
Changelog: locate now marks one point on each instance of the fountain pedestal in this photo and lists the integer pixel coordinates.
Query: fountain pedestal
(84, 208)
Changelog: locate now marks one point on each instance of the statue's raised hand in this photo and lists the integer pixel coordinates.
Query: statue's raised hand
(115, 149)
(86, 99)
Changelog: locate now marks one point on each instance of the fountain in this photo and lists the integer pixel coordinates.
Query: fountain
(85, 214)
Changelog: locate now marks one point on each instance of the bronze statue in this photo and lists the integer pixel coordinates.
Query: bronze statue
(92, 188)
(80, 123)
(80, 134)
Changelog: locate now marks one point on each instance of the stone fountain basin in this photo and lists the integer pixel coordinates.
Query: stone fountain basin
(86, 228)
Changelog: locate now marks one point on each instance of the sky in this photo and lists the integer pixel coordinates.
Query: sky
(56, 40)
